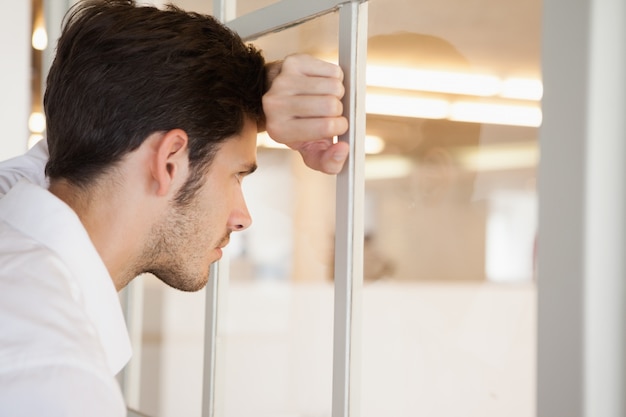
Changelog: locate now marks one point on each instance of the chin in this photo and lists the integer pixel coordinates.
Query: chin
(193, 286)
(185, 282)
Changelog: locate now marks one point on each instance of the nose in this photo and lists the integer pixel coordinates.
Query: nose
(240, 217)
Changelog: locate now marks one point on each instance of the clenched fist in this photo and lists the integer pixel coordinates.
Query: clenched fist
(303, 110)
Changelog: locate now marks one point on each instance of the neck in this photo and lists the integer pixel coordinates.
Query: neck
(108, 220)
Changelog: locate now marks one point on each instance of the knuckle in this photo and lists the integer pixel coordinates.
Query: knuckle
(291, 61)
(339, 72)
(278, 83)
(280, 131)
(274, 131)
(340, 89)
(269, 102)
(335, 88)
(273, 102)
(338, 107)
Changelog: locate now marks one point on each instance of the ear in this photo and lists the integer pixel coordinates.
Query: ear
(170, 161)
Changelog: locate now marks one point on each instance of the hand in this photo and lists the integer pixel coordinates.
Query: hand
(303, 110)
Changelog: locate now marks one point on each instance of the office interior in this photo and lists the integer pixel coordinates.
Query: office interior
(451, 298)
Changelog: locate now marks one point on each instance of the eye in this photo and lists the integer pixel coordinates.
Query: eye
(244, 173)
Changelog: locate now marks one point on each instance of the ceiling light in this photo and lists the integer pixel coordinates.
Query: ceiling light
(461, 111)
(37, 122)
(434, 81)
(447, 82)
(503, 114)
(40, 38)
(387, 167)
(499, 157)
(374, 144)
(427, 108)
(522, 89)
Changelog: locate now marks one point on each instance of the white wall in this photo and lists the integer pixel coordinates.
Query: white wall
(14, 77)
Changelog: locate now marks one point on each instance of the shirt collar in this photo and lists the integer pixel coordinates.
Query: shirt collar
(39, 214)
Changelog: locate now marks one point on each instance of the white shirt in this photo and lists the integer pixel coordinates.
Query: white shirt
(31, 165)
(62, 332)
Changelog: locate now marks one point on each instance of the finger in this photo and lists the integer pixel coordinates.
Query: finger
(298, 84)
(304, 130)
(335, 157)
(290, 107)
(308, 65)
(327, 159)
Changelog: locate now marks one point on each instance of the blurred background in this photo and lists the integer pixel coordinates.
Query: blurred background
(449, 303)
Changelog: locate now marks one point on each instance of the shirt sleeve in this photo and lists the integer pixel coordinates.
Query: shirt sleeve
(31, 166)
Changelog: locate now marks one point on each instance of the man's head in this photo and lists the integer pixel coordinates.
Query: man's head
(186, 239)
(152, 117)
(122, 72)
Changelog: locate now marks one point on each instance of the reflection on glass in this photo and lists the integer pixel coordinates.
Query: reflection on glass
(452, 199)
(200, 6)
(248, 6)
(450, 215)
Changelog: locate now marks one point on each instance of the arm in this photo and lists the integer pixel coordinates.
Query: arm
(31, 165)
(303, 110)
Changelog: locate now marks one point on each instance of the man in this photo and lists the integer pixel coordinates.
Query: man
(152, 120)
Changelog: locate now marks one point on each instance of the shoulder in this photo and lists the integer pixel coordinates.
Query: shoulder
(31, 165)
(28, 266)
(42, 316)
(35, 285)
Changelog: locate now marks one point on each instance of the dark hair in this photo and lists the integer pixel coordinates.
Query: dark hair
(123, 72)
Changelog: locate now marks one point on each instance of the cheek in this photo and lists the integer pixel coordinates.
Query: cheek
(215, 218)
(221, 205)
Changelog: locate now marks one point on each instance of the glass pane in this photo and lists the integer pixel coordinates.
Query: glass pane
(276, 333)
(453, 105)
(164, 376)
(248, 6)
(200, 6)
(206, 6)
